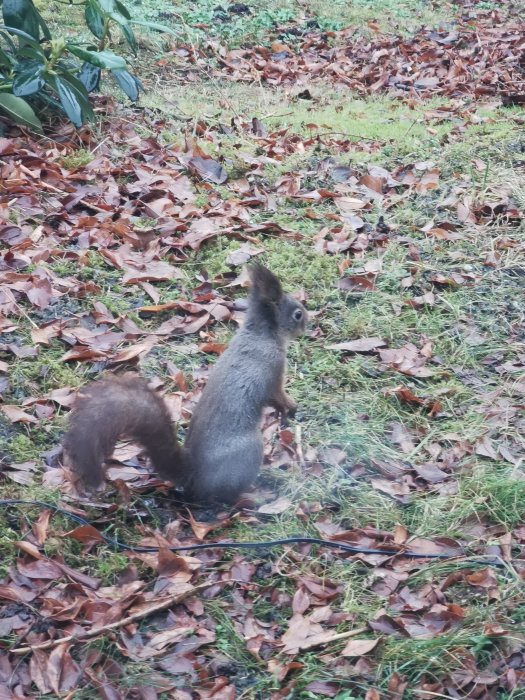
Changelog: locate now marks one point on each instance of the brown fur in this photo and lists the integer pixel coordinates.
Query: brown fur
(223, 451)
(108, 410)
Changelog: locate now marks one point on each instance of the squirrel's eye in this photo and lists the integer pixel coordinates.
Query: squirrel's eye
(297, 315)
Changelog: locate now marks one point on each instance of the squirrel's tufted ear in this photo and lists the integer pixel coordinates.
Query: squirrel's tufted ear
(265, 284)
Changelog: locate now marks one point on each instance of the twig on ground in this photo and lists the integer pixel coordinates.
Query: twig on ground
(299, 445)
(99, 631)
(20, 309)
(321, 639)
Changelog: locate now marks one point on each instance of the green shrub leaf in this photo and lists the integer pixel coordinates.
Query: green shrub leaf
(29, 79)
(19, 111)
(121, 18)
(127, 83)
(28, 39)
(102, 59)
(80, 92)
(129, 36)
(6, 60)
(61, 75)
(68, 99)
(94, 18)
(23, 15)
(89, 76)
(122, 9)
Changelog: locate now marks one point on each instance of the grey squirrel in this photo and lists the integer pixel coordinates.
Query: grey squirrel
(223, 451)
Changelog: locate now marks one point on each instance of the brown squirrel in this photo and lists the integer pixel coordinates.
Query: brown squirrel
(223, 451)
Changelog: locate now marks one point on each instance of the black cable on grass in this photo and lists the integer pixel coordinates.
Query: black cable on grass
(299, 539)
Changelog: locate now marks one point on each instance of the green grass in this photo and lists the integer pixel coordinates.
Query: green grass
(264, 21)
(77, 159)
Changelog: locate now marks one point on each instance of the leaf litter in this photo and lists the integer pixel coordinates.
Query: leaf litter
(135, 205)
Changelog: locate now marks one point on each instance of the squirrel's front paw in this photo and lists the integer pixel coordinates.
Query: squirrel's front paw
(287, 410)
(285, 405)
(289, 405)
(291, 409)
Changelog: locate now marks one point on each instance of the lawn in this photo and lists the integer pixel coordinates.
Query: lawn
(372, 154)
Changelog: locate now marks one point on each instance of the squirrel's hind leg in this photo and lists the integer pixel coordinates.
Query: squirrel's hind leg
(226, 471)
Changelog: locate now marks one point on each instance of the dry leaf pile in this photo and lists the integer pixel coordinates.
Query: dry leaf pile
(479, 53)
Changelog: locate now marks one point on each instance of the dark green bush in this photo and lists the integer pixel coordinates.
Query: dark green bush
(39, 71)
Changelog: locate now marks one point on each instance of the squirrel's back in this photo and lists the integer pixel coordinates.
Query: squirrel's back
(224, 440)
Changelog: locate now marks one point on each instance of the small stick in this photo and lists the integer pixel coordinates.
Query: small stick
(345, 133)
(20, 309)
(299, 445)
(273, 115)
(89, 634)
(101, 142)
(333, 638)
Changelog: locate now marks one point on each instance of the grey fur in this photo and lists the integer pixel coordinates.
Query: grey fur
(224, 442)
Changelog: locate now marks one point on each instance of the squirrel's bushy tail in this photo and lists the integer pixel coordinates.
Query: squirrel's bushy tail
(121, 407)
